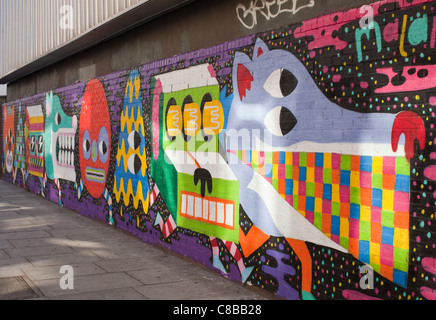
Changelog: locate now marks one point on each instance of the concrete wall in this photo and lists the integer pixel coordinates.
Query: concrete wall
(298, 160)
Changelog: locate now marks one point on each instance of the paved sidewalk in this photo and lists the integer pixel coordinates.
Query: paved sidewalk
(37, 237)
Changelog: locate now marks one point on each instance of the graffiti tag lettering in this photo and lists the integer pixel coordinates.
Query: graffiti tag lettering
(269, 9)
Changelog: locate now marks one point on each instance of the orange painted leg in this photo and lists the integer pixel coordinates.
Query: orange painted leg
(300, 248)
(252, 241)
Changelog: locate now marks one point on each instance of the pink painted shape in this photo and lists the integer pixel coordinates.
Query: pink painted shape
(401, 201)
(430, 172)
(344, 193)
(326, 206)
(336, 161)
(321, 40)
(376, 214)
(302, 188)
(212, 71)
(318, 174)
(387, 255)
(310, 216)
(282, 171)
(388, 165)
(354, 228)
(390, 32)
(365, 179)
(433, 33)
(336, 78)
(155, 118)
(428, 293)
(412, 83)
(429, 264)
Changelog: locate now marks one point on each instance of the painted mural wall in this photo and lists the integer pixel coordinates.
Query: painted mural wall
(299, 160)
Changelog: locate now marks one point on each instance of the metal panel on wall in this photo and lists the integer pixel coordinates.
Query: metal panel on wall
(30, 29)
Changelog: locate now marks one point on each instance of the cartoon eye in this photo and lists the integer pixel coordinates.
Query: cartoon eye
(32, 144)
(134, 140)
(280, 83)
(12, 140)
(134, 164)
(40, 144)
(58, 119)
(280, 121)
(103, 145)
(86, 145)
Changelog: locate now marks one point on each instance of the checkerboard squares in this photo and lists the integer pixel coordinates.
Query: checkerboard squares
(360, 202)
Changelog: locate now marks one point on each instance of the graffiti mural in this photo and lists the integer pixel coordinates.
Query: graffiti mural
(59, 138)
(294, 160)
(8, 138)
(95, 144)
(131, 178)
(20, 148)
(35, 144)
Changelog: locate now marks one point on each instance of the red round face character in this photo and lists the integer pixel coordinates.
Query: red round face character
(94, 138)
(8, 137)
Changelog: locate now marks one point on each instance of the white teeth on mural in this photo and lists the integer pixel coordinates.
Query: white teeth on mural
(65, 155)
(207, 210)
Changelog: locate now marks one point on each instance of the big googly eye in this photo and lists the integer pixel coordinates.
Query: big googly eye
(86, 145)
(134, 164)
(280, 83)
(58, 118)
(280, 121)
(134, 140)
(103, 145)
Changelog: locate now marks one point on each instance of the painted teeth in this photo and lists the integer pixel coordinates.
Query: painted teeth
(66, 141)
(206, 209)
(65, 156)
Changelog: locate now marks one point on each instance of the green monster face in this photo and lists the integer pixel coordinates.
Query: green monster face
(190, 120)
(59, 135)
